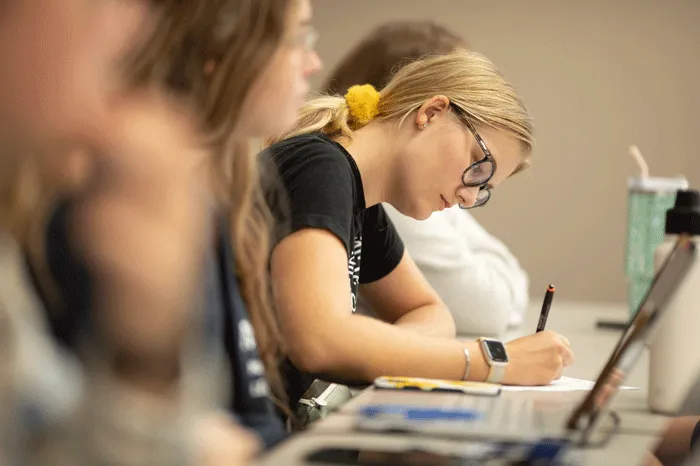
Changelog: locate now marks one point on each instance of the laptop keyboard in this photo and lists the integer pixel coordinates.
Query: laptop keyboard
(501, 413)
(517, 416)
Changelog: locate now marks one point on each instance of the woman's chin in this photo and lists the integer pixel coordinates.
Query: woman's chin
(422, 214)
(416, 211)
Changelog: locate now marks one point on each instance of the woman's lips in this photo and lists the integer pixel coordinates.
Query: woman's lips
(446, 205)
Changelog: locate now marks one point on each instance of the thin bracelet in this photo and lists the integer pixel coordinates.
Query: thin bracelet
(468, 359)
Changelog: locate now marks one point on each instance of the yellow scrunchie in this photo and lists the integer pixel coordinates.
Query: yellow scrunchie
(363, 103)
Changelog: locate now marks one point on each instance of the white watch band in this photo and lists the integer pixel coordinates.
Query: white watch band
(496, 369)
(496, 373)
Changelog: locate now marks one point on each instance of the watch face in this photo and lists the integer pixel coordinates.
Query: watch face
(497, 350)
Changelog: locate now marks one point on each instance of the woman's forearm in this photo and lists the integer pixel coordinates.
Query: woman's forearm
(434, 320)
(367, 348)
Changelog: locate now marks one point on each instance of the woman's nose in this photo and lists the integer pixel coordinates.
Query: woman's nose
(467, 196)
(313, 64)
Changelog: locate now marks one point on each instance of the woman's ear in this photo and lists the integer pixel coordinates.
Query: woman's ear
(436, 106)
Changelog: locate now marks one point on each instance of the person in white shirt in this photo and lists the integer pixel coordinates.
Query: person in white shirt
(475, 274)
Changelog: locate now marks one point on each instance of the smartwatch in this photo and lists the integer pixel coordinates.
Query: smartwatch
(496, 357)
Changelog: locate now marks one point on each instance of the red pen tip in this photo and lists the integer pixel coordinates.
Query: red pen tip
(551, 288)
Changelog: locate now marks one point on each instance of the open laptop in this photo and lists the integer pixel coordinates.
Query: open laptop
(530, 418)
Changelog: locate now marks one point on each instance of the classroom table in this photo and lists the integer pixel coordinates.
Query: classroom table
(638, 432)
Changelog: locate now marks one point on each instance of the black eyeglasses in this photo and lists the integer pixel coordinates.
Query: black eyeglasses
(479, 173)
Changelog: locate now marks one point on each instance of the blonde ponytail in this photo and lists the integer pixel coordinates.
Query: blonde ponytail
(326, 114)
(336, 116)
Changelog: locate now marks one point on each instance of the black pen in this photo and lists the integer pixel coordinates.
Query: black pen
(545, 308)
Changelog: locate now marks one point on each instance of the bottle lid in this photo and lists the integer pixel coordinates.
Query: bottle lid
(657, 185)
(684, 217)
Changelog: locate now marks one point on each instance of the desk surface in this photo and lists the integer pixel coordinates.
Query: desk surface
(591, 346)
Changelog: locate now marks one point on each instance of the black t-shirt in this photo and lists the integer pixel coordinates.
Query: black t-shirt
(324, 190)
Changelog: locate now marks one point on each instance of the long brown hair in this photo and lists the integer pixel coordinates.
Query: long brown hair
(210, 52)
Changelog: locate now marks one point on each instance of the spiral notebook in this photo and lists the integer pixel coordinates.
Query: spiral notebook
(429, 385)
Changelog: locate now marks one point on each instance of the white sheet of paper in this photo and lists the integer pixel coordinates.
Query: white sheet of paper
(564, 384)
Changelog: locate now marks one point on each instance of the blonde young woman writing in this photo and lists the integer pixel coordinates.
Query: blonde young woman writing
(446, 130)
(475, 274)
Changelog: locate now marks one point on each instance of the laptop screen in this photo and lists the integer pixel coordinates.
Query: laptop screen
(638, 332)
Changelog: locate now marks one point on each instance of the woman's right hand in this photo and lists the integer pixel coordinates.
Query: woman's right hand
(537, 359)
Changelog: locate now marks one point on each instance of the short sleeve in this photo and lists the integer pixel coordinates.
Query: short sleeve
(319, 187)
(382, 248)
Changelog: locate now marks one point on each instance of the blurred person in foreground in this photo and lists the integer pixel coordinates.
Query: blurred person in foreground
(64, 124)
(475, 274)
(242, 68)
